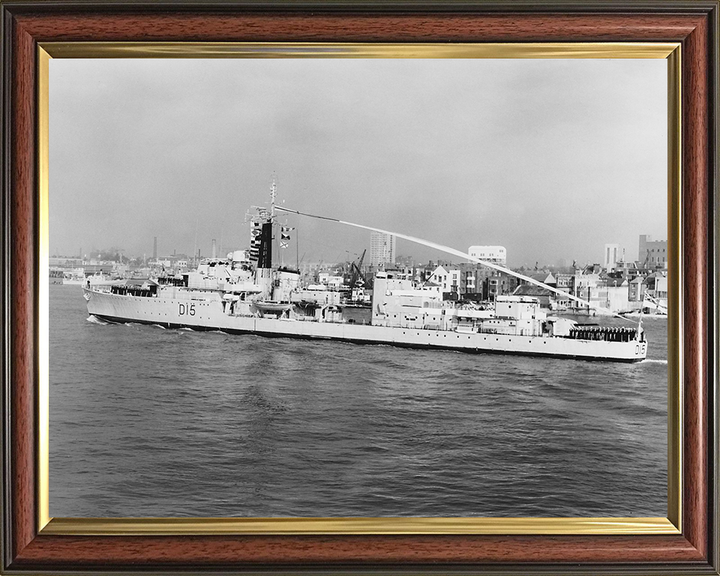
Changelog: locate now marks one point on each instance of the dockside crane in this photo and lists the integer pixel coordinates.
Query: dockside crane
(357, 274)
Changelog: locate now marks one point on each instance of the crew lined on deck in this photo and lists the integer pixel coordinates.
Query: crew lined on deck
(607, 333)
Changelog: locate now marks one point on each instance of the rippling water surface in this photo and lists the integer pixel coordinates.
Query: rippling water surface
(152, 422)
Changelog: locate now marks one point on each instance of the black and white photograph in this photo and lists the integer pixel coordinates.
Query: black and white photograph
(358, 287)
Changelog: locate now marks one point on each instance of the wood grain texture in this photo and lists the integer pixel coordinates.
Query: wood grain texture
(696, 231)
(22, 282)
(689, 551)
(303, 550)
(290, 27)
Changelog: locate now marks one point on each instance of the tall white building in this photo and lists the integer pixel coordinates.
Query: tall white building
(382, 249)
(496, 254)
(652, 253)
(612, 256)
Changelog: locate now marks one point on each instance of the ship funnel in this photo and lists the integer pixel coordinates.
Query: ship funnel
(214, 248)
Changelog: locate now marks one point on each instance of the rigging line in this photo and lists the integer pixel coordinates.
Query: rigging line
(460, 254)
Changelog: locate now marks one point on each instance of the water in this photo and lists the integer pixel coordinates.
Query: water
(152, 422)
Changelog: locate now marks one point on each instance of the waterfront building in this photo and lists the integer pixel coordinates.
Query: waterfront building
(563, 282)
(635, 289)
(627, 270)
(65, 261)
(382, 249)
(588, 285)
(618, 294)
(546, 297)
(495, 254)
(499, 284)
(652, 254)
(656, 285)
(447, 279)
(332, 281)
(473, 280)
(543, 295)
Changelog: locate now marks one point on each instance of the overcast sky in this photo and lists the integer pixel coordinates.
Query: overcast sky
(549, 158)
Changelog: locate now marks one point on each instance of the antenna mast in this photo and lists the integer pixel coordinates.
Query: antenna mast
(273, 194)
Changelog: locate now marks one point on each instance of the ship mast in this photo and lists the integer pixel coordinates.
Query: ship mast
(273, 195)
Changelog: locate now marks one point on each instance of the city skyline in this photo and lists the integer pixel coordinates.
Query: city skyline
(620, 255)
(537, 156)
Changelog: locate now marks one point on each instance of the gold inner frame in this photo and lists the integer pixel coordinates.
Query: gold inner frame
(178, 526)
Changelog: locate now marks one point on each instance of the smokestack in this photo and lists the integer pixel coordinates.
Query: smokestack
(265, 250)
(214, 249)
(155, 248)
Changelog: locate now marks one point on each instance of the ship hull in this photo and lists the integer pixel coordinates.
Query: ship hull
(208, 314)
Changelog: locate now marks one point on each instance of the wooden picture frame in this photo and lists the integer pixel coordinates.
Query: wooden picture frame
(30, 546)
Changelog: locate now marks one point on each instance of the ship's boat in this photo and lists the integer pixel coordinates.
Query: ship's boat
(245, 294)
(270, 307)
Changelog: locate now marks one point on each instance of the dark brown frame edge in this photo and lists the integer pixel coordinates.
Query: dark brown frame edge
(25, 23)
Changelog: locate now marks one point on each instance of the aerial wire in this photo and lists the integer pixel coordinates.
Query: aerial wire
(461, 254)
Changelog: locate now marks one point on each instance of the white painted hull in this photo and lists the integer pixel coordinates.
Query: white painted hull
(208, 315)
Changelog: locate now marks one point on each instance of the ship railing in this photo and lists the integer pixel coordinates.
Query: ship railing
(487, 331)
(133, 291)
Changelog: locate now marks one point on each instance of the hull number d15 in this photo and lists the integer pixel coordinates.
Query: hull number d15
(186, 309)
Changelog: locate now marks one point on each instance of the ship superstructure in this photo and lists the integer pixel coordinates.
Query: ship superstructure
(245, 293)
